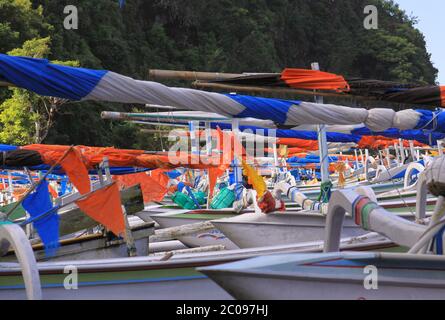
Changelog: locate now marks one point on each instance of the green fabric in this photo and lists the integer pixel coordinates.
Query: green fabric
(325, 192)
(16, 214)
(224, 199)
(184, 201)
(201, 197)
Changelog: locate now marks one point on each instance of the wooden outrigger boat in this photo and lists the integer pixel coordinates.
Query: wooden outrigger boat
(332, 275)
(145, 277)
(166, 276)
(79, 245)
(335, 276)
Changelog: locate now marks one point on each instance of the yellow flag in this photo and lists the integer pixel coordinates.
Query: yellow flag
(284, 151)
(254, 179)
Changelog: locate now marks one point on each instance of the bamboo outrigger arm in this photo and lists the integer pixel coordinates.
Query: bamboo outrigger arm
(399, 230)
(16, 237)
(279, 91)
(155, 74)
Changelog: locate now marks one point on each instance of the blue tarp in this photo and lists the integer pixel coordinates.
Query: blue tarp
(36, 204)
(47, 79)
(264, 108)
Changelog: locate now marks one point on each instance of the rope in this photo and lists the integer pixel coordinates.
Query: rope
(433, 120)
(439, 241)
(399, 193)
(325, 192)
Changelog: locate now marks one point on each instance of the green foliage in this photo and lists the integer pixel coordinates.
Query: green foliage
(26, 117)
(19, 22)
(17, 122)
(206, 35)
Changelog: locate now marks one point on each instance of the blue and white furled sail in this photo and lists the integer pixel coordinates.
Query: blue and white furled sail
(79, 84)
(335, 134)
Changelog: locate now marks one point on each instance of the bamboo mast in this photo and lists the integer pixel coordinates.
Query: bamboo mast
(322, 139)
(156, 74)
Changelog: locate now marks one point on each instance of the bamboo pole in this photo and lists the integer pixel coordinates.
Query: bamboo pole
(322, 140)
(166, 116)
(201, 81)
(156, 74)
(269, 90)
(6, 84)
(57, 208)
(169, 254)
(129, 239)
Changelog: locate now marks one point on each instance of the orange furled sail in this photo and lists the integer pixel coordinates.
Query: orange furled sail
(314, 80)
(73, 164)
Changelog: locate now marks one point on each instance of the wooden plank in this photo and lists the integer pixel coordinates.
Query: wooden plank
(181, 231)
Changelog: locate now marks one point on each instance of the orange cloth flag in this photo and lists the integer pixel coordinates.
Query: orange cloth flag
(225, 160)
(76, 171)
(105, 207)
(73, 165)
(151, 189)
(160, 177)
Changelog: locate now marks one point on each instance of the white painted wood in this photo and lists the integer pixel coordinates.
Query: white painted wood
(25, 255)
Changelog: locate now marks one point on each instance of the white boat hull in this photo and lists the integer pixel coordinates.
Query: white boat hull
(334, 276)
(253, 230)
(212, 237)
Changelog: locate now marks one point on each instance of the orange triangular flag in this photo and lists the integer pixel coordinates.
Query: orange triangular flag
(151, 189)
(160, 177)
(104, 206)
(225, 160)
(77, 171)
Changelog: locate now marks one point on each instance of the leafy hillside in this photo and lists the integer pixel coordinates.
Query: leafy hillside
(208, 35)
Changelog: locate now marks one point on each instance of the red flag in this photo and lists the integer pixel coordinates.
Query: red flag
(104, 206)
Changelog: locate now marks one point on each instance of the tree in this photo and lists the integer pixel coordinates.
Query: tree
(208, 35)
(26, 117)
(19, 22)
